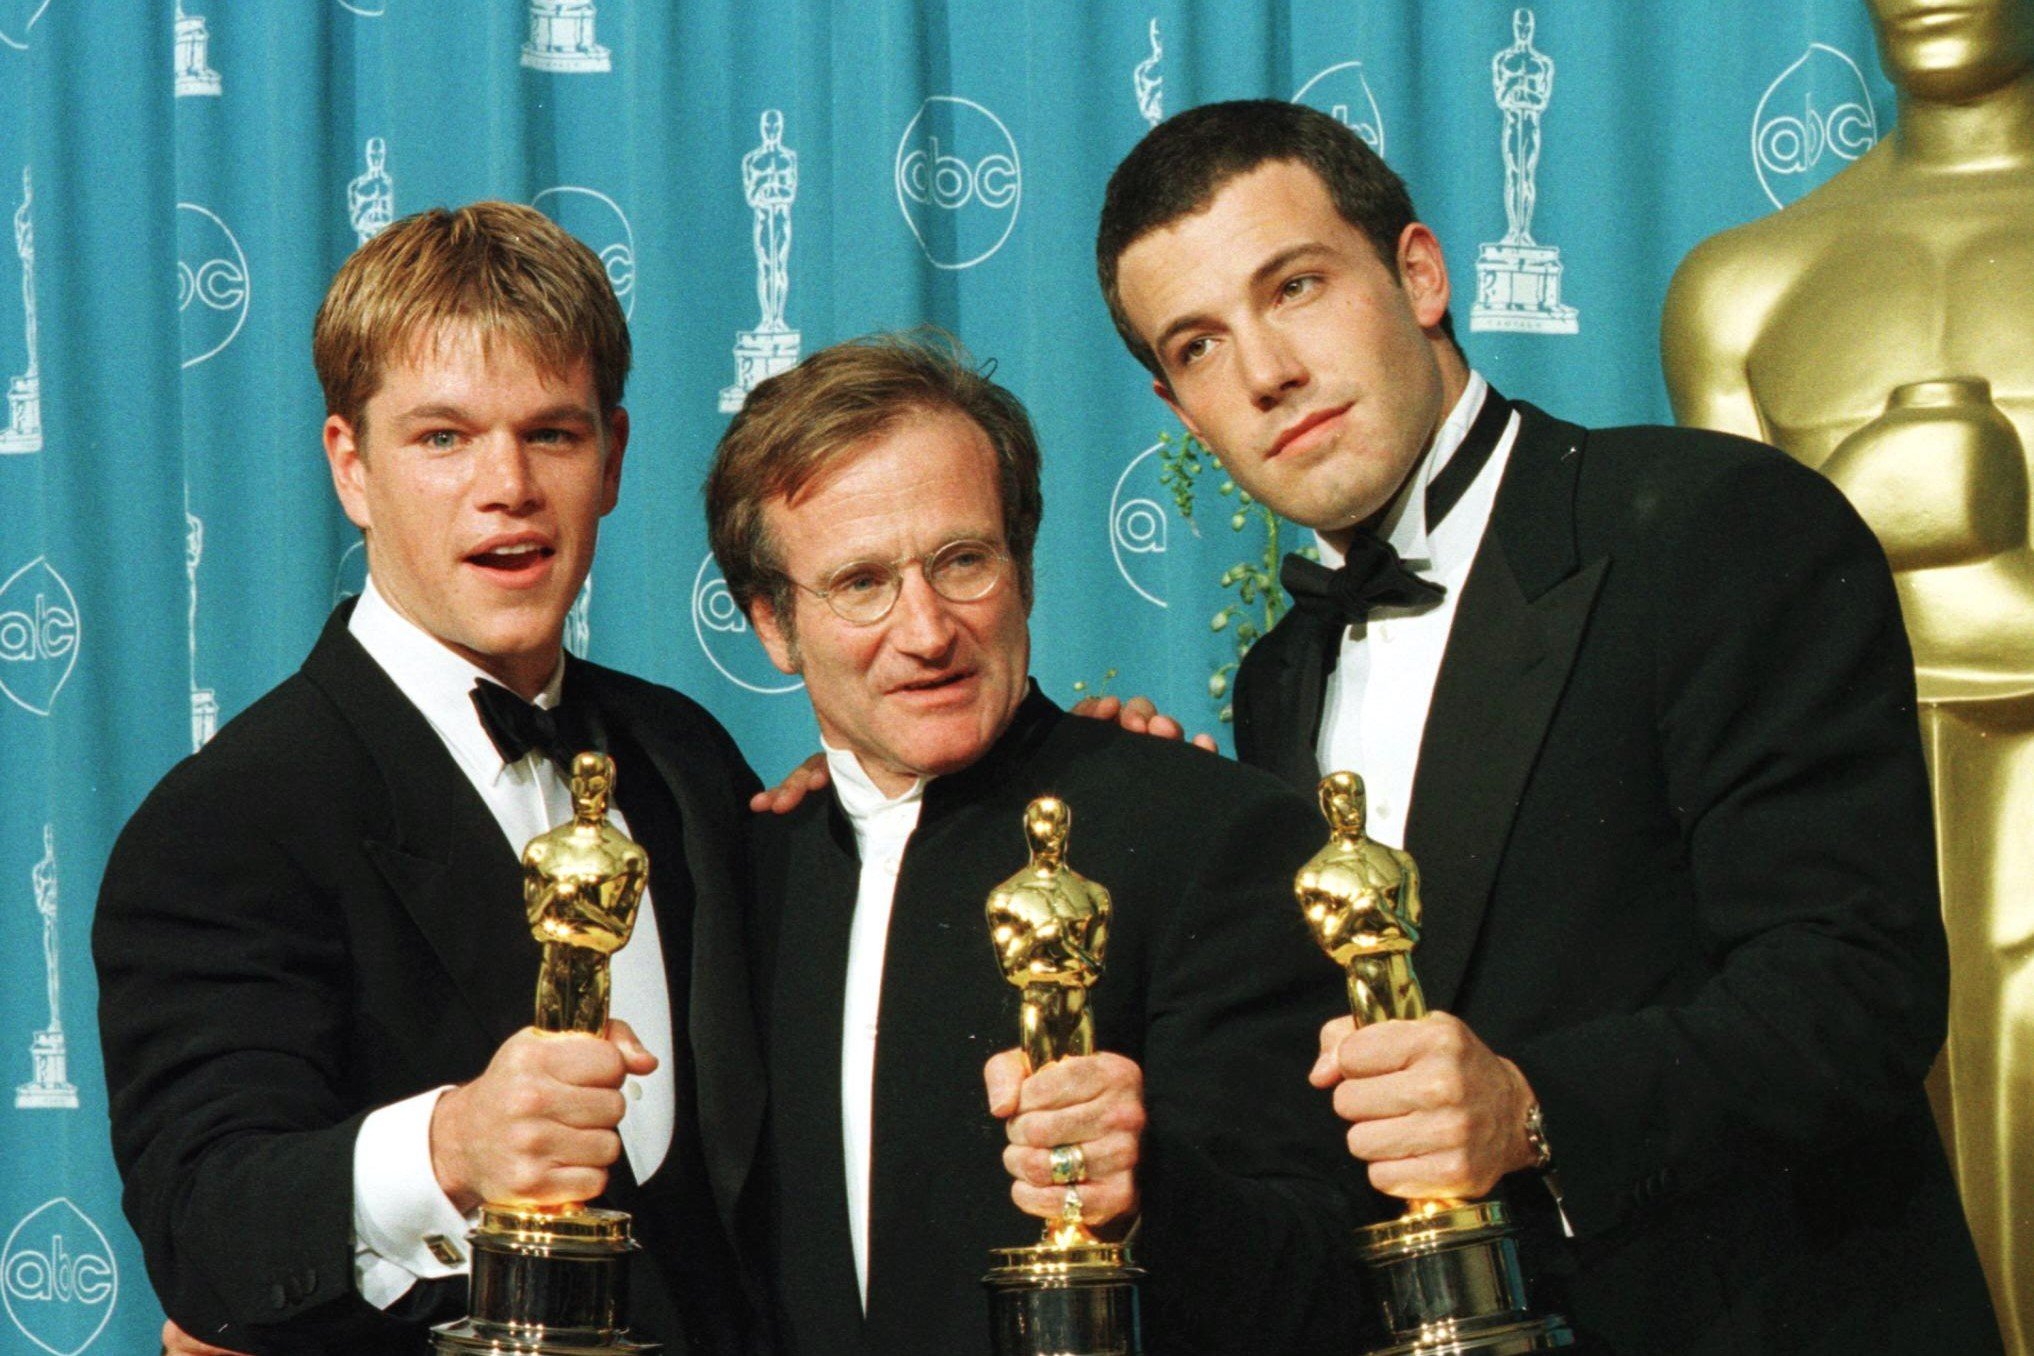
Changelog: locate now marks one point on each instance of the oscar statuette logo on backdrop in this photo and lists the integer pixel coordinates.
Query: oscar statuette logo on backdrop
(769, 185)
(1149, 84)
(1518, 279)
(50, 1089)
(204, 702)
(23, 432)
(370, 198)
(194, 74)
(39, 636)
(959, 181)
(59, 1281)
(561, 39)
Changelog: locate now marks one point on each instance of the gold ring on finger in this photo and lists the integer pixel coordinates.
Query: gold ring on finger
(1069, 1164)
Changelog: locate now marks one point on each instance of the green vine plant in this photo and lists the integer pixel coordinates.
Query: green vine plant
(1259, 601)
(1084, 689)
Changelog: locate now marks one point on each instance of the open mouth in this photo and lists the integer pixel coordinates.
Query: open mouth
(513, 557)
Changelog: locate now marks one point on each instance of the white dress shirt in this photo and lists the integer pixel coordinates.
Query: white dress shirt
(404, 1226)
(1375, 704)
(883, 826)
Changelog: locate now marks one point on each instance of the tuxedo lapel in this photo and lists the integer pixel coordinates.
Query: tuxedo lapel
(720, 1017)
(1516, 631)
(446, 860)
(1279, 696)
(817, 878)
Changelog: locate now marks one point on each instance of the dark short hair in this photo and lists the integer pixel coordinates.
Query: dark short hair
(507, 270)
(1181, 165)
(804, 423)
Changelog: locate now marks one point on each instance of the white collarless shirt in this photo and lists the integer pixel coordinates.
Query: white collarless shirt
(404, 1226)
(1374, 708)
(883, 826)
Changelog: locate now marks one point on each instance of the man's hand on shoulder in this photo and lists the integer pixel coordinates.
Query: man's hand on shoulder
(1095, 1102)
(1432, 1109)
(1139, 715)
(538, 1127)
(807, 778)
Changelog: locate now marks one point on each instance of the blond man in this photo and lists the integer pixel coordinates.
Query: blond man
(315, 974)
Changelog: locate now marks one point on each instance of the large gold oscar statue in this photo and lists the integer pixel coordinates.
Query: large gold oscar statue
(1880, 330)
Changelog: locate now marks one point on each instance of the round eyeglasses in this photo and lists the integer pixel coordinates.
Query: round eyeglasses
(862, 593)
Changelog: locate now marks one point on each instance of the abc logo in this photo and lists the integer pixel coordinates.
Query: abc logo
(1343, 94)
(600, 224)
(38, 635)
(212, 283)
(958, 181)
(725, 636)
(58, 1278)
(17, 17)
(1815, 118)
(1137, 525)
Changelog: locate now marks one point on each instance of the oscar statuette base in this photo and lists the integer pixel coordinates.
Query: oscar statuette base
(1053, 1301)
(546, 1284)
(1449, 1284)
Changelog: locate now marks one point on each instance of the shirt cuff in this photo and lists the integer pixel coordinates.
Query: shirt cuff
(405, 1228)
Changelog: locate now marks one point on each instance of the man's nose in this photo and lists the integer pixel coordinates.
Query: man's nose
(503, 481)
(1271, 366)
(921, 623)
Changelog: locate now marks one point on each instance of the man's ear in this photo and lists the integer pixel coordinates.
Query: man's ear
(777, 642)
(617, 443)
(349, 470)
(1423, 273)
(1164, 393)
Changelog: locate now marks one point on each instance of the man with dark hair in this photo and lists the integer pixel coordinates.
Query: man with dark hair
(1639, 703)
(316, 976)
(874, 511)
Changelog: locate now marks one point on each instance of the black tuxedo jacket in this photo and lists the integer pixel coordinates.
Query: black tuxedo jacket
(1212, 985)
(1673, 828)
(316, 916)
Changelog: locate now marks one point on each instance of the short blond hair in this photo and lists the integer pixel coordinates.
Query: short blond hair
(801, 424)
(507, 270)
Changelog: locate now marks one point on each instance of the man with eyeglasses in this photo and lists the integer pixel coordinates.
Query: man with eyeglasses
(874, 511)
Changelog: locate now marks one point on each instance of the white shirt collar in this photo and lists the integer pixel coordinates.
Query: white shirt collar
(859, 794)
(436, 679)
(1405, 522)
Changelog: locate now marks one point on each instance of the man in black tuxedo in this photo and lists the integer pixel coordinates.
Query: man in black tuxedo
(874, 511)
(1639, 703)
(316, 977)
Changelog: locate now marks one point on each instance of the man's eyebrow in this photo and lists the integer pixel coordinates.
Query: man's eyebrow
(563, 412)
(1271, 267)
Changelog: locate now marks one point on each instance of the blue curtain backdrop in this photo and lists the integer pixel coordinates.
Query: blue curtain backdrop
(182, 180)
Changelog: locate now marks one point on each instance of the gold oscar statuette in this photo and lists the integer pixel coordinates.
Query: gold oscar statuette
(1071, 1293)
(1447, 1271)
(1877, 330)
(552, 1280)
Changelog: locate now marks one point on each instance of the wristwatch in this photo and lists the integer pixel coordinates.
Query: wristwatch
(1536, 1137)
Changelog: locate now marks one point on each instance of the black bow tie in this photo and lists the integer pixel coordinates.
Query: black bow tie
(1372, 575)
(517, 726)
